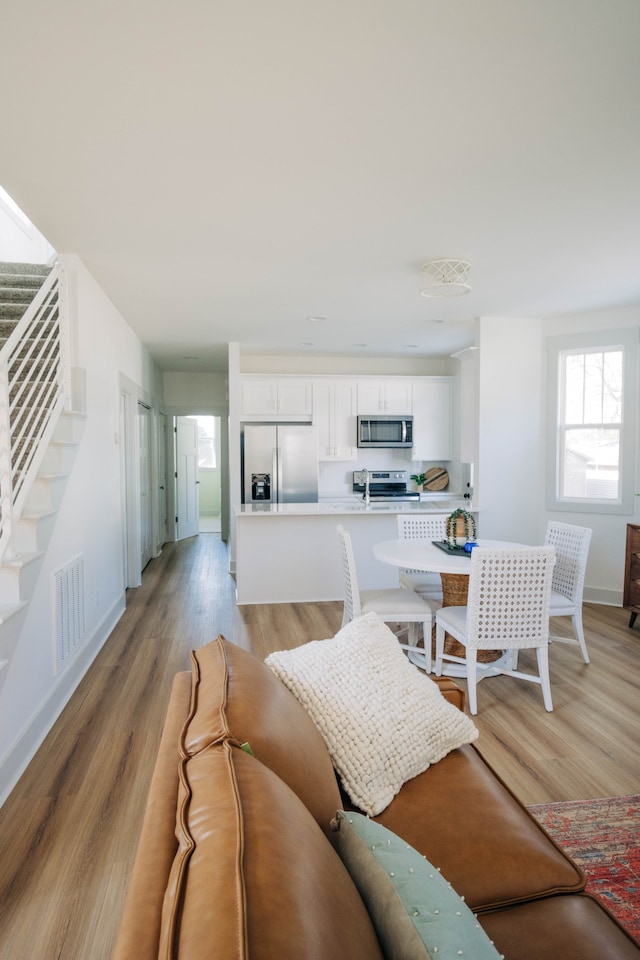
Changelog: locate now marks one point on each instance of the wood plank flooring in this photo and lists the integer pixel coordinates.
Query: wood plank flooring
(69, 830)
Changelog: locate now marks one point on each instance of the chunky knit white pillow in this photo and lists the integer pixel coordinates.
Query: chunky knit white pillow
(383, 720)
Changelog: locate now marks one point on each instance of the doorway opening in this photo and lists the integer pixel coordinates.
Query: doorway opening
(198, 475)
(209, 474)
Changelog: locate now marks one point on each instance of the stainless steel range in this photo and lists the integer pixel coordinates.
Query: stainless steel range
(384, 485)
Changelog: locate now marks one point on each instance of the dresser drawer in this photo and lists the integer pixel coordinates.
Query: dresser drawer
(631, 595)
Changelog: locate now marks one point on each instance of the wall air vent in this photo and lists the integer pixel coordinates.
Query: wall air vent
(69, 609)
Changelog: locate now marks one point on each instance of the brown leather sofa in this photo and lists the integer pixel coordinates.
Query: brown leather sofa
(236, 858)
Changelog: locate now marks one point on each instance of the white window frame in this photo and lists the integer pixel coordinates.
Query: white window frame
(626, 340)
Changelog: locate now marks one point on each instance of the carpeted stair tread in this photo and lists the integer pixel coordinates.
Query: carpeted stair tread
(19, 284)
(24, 269)
(10, 293)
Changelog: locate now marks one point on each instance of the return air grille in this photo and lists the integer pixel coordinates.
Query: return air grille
(69, 608)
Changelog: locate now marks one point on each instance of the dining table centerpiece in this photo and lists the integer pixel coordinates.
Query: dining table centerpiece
(460, 526)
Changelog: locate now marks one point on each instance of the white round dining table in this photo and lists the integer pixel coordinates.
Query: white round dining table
(425, 555)
(454, 569)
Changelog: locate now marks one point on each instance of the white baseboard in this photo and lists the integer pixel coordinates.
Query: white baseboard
(24, 748)
(609, 598)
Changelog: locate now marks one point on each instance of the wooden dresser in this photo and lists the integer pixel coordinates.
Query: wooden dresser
(631, 596)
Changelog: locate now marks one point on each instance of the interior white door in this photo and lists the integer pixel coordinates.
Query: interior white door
(144, 435)
(187, 500)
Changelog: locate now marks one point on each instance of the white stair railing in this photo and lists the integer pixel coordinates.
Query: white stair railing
(34, 389)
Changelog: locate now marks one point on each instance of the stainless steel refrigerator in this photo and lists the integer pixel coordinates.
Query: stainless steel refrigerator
(279, 463)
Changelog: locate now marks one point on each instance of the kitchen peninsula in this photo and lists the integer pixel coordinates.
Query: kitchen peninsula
(289, 553)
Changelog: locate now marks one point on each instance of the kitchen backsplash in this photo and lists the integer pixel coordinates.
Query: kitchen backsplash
(335, 479)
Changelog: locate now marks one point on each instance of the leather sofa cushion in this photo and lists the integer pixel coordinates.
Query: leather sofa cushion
(254, 875)
(573, 927)
(466, 821)
(139, 932)
(236, 697)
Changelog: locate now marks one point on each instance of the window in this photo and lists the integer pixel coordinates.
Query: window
(590, 421)
(592, 390)
(206, 442)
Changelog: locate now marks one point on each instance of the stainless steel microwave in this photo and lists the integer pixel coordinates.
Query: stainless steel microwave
(385, 431)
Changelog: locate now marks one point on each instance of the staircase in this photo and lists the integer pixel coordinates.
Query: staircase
(19, 283)
(43, 433)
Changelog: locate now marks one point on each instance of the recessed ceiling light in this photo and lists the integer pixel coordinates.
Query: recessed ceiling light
(435, 320)
(410, 346)
(360, 346)
(316, 319)
(305, 343)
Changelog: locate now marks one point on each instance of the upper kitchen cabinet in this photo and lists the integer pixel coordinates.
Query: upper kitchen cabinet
(334, 413)
(385, 396)
(433, 419)
(276, 398)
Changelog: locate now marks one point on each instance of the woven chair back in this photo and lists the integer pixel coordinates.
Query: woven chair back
(352, 606)
(571, 544)
(508, 601)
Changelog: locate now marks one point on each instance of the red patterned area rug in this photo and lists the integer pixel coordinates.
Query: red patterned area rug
(603, 836)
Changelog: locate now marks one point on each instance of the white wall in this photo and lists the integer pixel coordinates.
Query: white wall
(188, 393)
(510, 475)
(20, 242)
(88, 523)
(349, 366)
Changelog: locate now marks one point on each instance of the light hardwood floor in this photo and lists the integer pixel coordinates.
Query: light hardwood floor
(68, 832)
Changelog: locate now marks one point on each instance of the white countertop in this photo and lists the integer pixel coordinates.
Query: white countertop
(349, 505)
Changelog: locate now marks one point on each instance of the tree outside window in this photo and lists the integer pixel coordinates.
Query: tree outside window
(590, 424)
(591, 421)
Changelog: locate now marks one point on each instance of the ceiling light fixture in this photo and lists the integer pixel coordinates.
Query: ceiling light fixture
(445, 278)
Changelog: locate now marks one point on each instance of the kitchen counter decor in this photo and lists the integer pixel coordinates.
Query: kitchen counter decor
(433, 480)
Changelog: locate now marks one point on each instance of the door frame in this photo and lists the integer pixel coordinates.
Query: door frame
(145, 453)
(194, 411)
(128, 438)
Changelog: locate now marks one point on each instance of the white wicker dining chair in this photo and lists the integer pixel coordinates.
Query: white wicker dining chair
(507, 609)
(423, 527)
(571, 544)
(393, 604)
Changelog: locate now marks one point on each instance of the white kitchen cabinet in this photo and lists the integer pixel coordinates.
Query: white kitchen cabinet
(276, 398)
(385, 396)
(433, 418)
(334, 413)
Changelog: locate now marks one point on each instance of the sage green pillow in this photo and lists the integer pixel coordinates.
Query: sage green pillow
(416, 912)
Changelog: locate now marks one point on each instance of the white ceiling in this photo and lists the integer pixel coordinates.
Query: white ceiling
(227, 170)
